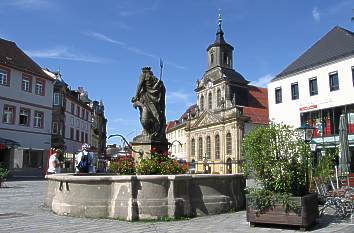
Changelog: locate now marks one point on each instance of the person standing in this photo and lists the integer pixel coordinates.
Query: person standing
(54, 164)
(79, 157)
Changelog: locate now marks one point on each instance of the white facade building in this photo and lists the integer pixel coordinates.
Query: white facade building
(26, 99)
(317, 88)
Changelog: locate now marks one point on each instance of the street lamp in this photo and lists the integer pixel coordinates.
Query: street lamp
(307, 132)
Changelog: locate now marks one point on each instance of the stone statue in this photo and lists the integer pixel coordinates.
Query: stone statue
(150, 100)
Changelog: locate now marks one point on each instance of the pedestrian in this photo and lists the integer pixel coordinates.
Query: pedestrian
(82, 156)
(54, 164)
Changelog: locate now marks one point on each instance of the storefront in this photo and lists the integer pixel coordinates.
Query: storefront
(326, 127)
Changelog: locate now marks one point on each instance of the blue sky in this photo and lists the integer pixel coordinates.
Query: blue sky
(102, 45)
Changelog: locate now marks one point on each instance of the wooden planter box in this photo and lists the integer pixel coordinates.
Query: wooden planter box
(304, 217)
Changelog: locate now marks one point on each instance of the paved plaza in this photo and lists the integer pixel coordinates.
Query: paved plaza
(21, 210)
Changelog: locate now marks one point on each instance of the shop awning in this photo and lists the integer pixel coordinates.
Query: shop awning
(8, 143)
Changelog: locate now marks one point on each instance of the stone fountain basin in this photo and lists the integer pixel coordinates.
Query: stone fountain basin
(144, 197)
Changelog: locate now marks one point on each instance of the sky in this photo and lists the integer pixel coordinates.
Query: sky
(102, 45)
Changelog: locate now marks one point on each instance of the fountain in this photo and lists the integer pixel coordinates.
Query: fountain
(145, 197)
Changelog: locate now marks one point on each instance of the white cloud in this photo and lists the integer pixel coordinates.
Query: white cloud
(263, 81)
(136, 10)
(178, 97)
(132, 49)
(62, 54)
(316, 14)
(104, 38)
(28, 4)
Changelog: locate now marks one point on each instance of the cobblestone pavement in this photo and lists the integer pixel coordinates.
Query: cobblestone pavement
(21, 210)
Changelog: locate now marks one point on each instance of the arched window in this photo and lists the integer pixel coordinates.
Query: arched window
(217, 146)
(202, 103)
(208, 149)
(211, 58)
(228, 144)
(193, 147)
(200, 148)
(218, 97)
(225, 59)
(210, 101)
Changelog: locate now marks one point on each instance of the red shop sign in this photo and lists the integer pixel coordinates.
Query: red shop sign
(314, 106)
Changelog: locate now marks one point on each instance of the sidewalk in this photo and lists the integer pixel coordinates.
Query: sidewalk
(21, 211)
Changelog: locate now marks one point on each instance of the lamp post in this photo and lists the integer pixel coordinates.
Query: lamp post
(307, 134)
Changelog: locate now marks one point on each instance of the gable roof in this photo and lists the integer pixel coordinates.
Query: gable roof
(12, 56)
(337, 43)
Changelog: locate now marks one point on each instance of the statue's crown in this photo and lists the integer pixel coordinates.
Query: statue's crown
(147, 68)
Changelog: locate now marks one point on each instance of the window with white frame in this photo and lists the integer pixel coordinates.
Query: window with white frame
(55, 128)
(228, 144)
(24, 118)
(26, 84)
(9, 114)
(217, 146)
(72, 121)
(39, 90)
(4, 77)
(202, 103)
(218, 97)
(200, 148)
(38, 119)
(193, 147)
(208, 147)
(56, 98)
(210, 101)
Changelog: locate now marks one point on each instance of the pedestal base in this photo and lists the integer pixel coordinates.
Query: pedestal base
(144, 145)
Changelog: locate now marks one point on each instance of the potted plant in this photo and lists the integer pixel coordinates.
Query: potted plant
(280, 161)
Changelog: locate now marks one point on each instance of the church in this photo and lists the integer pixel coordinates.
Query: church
(209, 134)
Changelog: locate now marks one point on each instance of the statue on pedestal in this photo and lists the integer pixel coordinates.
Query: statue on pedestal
(150, 100)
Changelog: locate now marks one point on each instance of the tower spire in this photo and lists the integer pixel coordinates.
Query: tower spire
(219, 21)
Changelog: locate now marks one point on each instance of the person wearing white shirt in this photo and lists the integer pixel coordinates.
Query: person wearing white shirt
(54, 164)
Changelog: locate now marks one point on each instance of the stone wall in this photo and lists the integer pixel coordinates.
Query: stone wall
(144, 197)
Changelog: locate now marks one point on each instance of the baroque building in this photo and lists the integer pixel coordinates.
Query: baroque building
(209, 133)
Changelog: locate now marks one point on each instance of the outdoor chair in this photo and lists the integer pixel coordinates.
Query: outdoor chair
(335, 199)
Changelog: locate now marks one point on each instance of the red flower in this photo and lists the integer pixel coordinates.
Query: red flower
(153, 149)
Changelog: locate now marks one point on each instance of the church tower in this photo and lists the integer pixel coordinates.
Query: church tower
(221, 87)
(220, 52)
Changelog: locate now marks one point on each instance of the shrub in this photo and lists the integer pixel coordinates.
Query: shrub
(124, 166)
(156, 163)
(148, 166)
(280, 160)
(3, 175)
